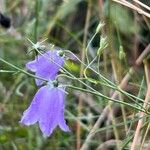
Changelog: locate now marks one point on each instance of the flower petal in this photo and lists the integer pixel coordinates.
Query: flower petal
(31, 115)
(46, 66)
(62, 122)
(31, 66)
(47, 108)
(48, 112)
(51, 111)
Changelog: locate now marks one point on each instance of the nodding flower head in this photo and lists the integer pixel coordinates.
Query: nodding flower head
(46, 65)
(47, 108)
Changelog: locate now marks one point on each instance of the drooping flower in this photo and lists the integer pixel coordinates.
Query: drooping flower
(47, 108)
(46, 66)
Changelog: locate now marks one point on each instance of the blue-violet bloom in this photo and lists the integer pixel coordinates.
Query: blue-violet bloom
(47, 108)
(46, 65)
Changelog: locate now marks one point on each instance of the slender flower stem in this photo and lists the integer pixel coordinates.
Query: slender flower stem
(107, 85)
(7, 71)
(36, 20)
(86, 50)
(106, 97)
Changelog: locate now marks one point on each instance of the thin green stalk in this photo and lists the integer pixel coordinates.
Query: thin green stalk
(86, 50)
(108, 98)
(7, 71)
(107, 85)
(89, 66)
(36, 20)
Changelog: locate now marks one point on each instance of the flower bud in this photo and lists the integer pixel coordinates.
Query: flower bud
(103, 45)
(99, 27)
(121, 52)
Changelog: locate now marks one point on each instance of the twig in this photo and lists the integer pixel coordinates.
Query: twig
(143, 55)
(145, 135)
(140, 122)
(147, 73)
(142, 4)
(125, 3)
(109, 144)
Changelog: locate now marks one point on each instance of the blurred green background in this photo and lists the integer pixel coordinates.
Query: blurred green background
(64, 23)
